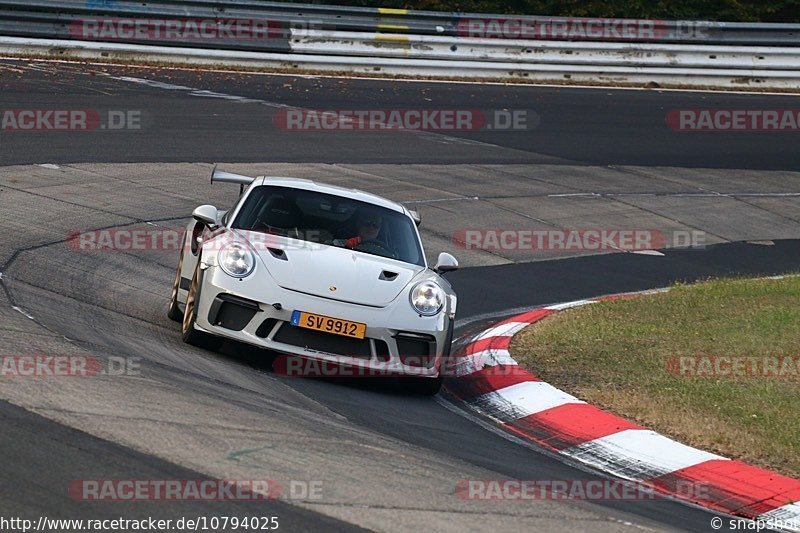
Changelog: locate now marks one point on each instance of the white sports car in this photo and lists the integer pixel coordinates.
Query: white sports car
(320, 272)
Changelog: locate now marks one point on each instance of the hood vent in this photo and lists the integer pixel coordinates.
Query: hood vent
(277, 253)
(387, 276)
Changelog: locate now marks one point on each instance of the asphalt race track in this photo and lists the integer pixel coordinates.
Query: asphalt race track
(594, 127)
(385, 459)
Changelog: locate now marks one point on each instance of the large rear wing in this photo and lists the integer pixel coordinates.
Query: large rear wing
(229, 177)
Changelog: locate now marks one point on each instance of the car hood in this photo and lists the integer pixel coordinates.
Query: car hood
(336, 273)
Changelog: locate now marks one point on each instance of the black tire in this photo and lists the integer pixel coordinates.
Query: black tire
(190, 334)
(424, 386)
(445, 365)
(174, 312)
(431, 386)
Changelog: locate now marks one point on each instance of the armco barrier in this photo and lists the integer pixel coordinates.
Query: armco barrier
(416, 43)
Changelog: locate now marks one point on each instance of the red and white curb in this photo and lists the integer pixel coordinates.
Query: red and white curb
(490, 382)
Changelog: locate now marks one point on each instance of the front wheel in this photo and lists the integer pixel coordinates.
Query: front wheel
(190, 334)
(174, 312)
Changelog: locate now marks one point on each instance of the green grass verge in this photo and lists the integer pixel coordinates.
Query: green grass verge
(617, 354)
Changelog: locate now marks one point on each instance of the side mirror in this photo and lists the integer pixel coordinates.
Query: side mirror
(445, 263)
(207, 214)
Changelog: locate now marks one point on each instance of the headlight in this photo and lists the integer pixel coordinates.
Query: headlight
(236, 260)
(427, 298)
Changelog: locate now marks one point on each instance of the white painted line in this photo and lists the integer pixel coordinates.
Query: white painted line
(493, 357)
(786, 518)
(648, 252)
(568, 305)
(520, 400)
(198, 92)
(638, 454)
(480, 360)
(647, 292)
(502, 330)
(17, 309)
(437, 200)
(153, 83)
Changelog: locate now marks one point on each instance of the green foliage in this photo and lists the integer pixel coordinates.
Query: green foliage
(722, 10)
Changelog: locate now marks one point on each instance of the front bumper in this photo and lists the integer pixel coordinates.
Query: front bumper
(257, 311)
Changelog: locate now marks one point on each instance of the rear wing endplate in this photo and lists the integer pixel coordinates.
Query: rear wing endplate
(229, 177)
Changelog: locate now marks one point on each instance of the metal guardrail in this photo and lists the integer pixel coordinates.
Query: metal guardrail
(54, 13)
(397, 41)
(548, 52)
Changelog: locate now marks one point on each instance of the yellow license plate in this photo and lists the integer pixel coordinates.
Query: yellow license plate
(328, 324)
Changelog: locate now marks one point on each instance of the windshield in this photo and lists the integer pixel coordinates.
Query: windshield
(332, 220)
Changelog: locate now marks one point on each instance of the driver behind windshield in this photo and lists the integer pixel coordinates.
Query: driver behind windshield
(368, 226)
